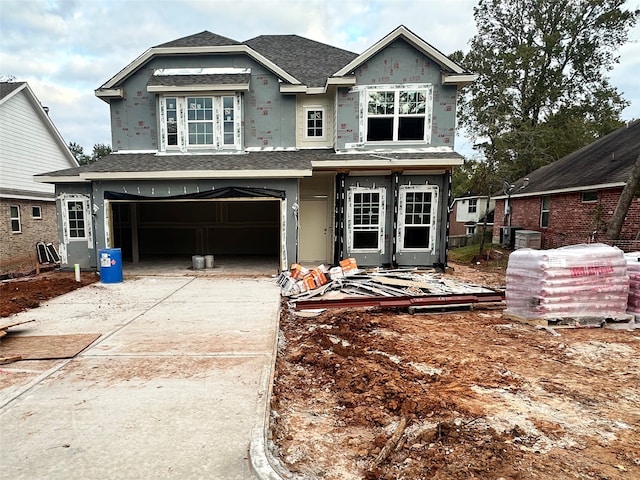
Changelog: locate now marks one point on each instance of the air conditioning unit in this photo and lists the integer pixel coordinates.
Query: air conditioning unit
(508, 236)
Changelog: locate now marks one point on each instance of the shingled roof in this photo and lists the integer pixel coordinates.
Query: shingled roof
(309, 61)
(7, 87)
(202, 39)
(607, 161)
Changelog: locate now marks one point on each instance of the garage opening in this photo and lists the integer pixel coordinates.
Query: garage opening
(152, 230)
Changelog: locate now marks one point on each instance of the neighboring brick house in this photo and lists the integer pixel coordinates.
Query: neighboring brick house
(571, 201)
(467, 214)
(278, 146)
(29, 144)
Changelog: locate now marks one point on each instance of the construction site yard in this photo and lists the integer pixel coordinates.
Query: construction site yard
(384, 394)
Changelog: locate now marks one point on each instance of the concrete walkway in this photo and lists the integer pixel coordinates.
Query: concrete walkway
(172, 389)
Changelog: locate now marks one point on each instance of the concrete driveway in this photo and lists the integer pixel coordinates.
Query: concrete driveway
(171, 389)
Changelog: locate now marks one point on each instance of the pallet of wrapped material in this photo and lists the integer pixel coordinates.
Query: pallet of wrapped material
(589, 281)
(633, 270)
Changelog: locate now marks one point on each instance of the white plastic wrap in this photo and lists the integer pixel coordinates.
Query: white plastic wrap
(633, 269)
(575, 281)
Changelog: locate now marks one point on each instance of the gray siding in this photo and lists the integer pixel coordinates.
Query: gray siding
(399, 63)
(269, 116)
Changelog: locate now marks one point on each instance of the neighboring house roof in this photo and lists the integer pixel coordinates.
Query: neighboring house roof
(302, 64)
(605, 163)
(278, 163)
(8, 87)
(309, 61)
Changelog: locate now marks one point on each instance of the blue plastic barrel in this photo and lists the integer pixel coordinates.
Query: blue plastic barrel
(110, 263)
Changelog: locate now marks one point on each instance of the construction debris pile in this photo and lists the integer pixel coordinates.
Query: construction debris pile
(346, 285)
(633, 270)
(574, 282)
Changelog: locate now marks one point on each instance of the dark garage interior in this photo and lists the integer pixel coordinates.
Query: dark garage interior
(196, 227)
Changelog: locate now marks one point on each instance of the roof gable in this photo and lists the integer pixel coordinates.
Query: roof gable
(449, 67)
(606, 162)
(8, 89)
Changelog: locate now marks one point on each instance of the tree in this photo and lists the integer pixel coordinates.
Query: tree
(542, 90)
(100, 150)
(626, 197)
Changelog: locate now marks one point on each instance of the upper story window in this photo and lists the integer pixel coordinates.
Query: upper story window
(473, 205)
(398, 113)
(200, 122)
(314, 128)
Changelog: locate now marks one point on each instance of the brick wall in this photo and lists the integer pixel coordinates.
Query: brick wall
(571, 221)
(20, 247)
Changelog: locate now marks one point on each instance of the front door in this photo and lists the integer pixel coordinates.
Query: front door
(314, 231)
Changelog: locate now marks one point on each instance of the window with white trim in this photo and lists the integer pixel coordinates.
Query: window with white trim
(366, 217)
(14, 215)
(417, 217)
(473, 205)
(545, 208)
(36, 212)
(200, 122)
(397, 114)
(77, 220)
(314, 127)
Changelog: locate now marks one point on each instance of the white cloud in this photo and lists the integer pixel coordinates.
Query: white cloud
(66, 49)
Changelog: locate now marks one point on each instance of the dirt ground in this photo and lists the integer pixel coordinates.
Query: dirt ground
(388, 395)
(27, 292)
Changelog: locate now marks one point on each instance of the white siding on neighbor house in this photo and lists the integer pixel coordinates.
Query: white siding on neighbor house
(462, 210)
(27, 146)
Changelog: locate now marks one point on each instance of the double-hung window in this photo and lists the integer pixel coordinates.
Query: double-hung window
(473, 205)
(14, 215)
(76, 219)
(545, 208)
(366, 217)
(398, 114)
(200, 122)
(417, 217)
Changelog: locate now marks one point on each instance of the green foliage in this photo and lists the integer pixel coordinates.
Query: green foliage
(100, 150)
(542, 90)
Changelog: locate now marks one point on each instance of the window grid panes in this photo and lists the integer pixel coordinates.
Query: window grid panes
(171, 112)
(417, 219)
(200, 120)
(366, 220)
(15, 218)
(76, 219)
(473, 205)
(396, 115)
(315, 127)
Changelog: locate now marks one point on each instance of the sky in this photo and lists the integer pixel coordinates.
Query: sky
(66, 49)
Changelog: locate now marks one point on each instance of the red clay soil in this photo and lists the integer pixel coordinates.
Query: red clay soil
(387, 395)
(27, 292)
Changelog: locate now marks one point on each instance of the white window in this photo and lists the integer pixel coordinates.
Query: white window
(314, 127)
(14, 214)
(200, 122)
(544, 211)
(36, 212)
(398, 113)
(76, 218)
(473, 205)
(365, 221)
(471, 230)
(417, 217)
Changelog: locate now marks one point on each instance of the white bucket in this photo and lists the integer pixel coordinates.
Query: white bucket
(198, 262)
(208, 261)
